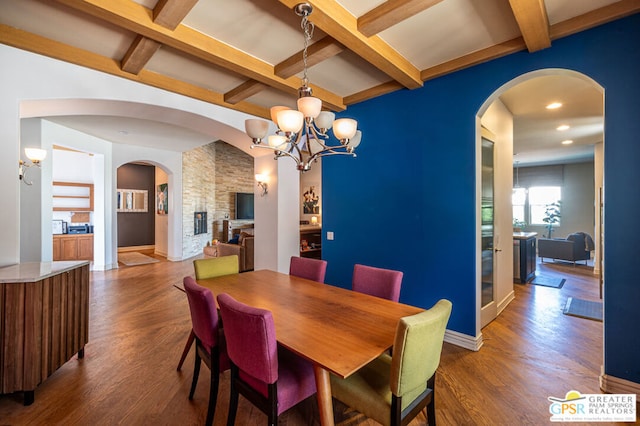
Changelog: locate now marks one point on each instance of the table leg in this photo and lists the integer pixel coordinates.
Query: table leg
(325, 404)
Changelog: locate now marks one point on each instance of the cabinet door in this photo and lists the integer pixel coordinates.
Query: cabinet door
(69, 249)
(85, 247)
(57, 253)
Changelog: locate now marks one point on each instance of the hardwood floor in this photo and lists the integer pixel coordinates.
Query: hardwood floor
(139, 322)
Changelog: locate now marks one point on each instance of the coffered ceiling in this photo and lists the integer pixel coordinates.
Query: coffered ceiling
(247, 54)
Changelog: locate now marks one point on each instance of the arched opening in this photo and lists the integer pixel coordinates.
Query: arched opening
(526, 132)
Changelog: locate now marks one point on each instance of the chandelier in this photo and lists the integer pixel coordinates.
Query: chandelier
(302, 133)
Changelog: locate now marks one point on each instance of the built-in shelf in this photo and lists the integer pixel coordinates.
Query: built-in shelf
(72, 197)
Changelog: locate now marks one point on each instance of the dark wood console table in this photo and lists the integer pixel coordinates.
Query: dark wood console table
(44, 309)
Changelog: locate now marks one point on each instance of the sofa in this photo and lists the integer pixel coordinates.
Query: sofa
(575, 247)
(243, 249)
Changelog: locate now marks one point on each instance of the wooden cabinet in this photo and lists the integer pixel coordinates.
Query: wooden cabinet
(73, 247)
(44, 312)
(524, 256)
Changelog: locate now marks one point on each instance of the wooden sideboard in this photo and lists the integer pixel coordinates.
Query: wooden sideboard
(44, 311)
(73, 247)
(311, 241)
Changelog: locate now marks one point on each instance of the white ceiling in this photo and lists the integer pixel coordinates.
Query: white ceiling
(221, 44)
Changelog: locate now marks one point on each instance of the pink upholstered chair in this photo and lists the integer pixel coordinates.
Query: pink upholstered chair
(311, 269)
(210, 343)
(271, 377)
(383, 283)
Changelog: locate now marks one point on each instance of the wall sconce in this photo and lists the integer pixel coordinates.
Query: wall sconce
(35, 155)
(314, 220)
(262, 183)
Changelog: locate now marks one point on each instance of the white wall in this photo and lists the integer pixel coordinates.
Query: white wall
(32, 84)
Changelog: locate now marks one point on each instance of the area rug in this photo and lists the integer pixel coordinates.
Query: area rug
(548, 281)
(583, 309)
(134, 258)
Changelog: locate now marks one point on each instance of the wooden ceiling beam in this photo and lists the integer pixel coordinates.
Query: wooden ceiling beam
(531, 16)
(170, 13)
(390, 13)
(596, 17)
(139, 53)
(40, 45)
(137, 18)
(336, 21)
(319, 51)
(244, 91)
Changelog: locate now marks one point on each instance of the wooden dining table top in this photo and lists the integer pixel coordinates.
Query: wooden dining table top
(337, 329)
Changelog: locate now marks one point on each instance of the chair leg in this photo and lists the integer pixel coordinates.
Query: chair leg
(233, 397)
(196, 372)
(213, 389)
(187, 346)
(431, 406)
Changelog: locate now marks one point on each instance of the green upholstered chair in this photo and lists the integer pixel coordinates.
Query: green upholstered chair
(393, 390)
(209, 267)
(212, 267)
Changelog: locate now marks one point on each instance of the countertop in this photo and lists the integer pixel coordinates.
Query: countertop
(523, 235)
(29, 272)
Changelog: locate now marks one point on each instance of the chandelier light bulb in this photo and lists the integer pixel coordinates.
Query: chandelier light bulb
(325, 120)
(256, 129)
(355, 140)
(290, 120)
(274, 112)
(345, 128)
(278, 142)
(309, 106)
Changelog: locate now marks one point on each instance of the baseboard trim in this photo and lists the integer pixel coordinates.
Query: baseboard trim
(611, 384)
(463, 340)
(136, 248)
(505, 302)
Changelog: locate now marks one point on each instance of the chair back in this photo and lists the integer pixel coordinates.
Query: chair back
(311, 269)
(383, 283)
(417, 349)
(204, 315)
(212, 267)
(251, 338)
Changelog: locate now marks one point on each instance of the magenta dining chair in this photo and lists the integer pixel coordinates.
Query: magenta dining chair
(210, 344)
(269, 376)
(305, 267)
(383, 283)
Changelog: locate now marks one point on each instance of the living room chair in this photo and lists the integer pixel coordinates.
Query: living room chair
(575, 247)
(383, 283)
(269, 376)
(305, 267)
(393, 390)
(210, 267)
(210, 344)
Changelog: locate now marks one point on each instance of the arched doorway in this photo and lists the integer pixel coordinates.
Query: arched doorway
(516, 115)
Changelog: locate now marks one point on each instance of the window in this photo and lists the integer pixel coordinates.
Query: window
(518, 201)
(539, 198)
(529, 205)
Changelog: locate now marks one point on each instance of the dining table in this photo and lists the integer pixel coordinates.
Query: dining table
(338, 330)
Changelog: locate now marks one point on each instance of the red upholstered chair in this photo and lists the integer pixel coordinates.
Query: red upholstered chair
(383, 283)
(269, 376)
(210, 343)
(311, 269)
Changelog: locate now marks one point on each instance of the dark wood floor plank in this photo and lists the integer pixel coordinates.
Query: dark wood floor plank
(139, 322)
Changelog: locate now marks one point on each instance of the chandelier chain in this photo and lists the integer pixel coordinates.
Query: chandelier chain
(307, 28)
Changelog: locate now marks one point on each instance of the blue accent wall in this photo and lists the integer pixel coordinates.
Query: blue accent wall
(408, 202)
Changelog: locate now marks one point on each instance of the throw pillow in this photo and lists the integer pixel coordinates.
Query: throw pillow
(234, 240)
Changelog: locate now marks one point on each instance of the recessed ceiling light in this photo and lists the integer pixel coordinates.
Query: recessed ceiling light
(567, 142)
(554, 105)
(123, 132)
(563, 127)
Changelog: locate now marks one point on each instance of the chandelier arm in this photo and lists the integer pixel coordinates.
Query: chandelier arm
(279, 152)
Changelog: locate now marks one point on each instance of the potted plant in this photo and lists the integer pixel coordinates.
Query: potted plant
(551, 216)
(518, 225)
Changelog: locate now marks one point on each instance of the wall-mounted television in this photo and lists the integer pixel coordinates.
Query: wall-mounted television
(244, 205)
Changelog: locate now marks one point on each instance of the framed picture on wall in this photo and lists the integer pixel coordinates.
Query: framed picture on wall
(162, 197)
(310, 200)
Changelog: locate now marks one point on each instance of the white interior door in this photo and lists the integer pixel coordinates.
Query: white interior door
(489, 247)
